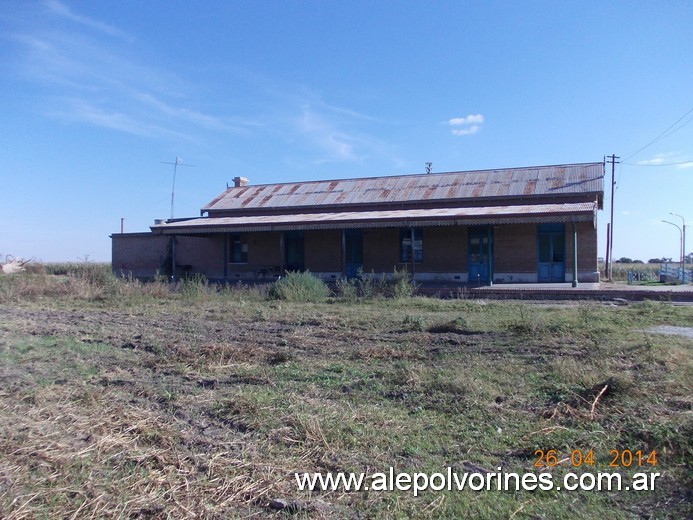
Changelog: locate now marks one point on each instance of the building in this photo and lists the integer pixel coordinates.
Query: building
(514, 225)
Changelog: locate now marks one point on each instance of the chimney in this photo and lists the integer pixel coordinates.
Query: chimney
(239, 182)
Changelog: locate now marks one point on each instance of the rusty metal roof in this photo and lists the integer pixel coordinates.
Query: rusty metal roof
(545, 181)
(579, 212)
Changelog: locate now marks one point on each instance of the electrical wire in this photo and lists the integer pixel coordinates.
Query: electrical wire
(664, 134)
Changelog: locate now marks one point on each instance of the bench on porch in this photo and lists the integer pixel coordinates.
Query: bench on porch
(268, 271)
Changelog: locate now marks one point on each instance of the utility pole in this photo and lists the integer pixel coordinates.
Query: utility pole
(610, 252)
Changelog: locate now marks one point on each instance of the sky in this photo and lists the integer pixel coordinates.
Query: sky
(97, 99)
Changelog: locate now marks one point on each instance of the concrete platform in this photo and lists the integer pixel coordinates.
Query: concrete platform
(564, 291)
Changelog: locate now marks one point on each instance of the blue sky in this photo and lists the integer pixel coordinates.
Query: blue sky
(97, 95)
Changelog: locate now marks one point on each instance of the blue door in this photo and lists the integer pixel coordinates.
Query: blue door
(295, 251)
(353, 252)
(551, 253)
(480, 254)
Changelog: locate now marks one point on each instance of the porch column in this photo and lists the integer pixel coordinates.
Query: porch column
(226, 256)
(173, 258)
(575, 256)
(489, 235)
(413, 259)
(343, 259)
(282, 251)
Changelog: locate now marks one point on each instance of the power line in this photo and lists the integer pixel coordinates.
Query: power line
(664, 134)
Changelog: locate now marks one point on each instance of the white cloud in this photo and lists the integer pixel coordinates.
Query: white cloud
(466, 131)
(467, 120)
(467, 125)
(677, 159)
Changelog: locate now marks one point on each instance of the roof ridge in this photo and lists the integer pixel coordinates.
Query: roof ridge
(423, 174)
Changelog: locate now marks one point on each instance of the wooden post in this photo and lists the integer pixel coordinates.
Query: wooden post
(413, 259)
(489, 236)
(575, 256)
(282, 251)
(226, 256)
(173, 258)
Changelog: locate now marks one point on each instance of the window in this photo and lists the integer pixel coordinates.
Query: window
(238, 250)
(405, 245)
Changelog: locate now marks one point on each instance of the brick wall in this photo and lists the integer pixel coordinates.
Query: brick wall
(201, 255)
(445, 251)
(515, 248)
(380, 250)
(323, 250)
(138, 254)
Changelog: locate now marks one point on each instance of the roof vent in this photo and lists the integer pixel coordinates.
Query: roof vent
(238, 182)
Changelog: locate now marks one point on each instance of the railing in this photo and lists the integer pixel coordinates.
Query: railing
(669, 272)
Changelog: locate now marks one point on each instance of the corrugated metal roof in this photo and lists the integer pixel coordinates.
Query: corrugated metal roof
(582, 211)
(566, 179)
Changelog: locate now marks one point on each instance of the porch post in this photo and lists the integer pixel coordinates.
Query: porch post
(575, 256)
(173, 258)
(413, 259)
(489, 235)
(226, 256)
(282, 251)
(343, 260)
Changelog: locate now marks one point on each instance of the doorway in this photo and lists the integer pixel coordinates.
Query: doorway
(353, 252)
(480, 254)
(295, 251)
(551, 253)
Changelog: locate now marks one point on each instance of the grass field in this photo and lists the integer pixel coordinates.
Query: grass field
(124, 400)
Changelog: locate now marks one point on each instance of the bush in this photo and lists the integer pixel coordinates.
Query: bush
(401, 285)
(299, 287)
(398, 285)
(346, 289)
(193, 286)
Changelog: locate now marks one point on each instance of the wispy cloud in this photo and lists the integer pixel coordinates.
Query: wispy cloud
(335, 143)
(89, 77)
(658, 159)
(90, 72)
(62, 10)
(467, 125)
(325, 133)
(675, 159)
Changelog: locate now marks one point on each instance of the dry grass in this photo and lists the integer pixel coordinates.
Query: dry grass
(146, 402)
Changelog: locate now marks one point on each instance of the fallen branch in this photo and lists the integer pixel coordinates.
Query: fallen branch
(594, 403)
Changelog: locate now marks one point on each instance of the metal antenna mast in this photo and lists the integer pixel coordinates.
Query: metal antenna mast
(175, 164)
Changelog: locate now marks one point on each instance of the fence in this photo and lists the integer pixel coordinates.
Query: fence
(673, 272)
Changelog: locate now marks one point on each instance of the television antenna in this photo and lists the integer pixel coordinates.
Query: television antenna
(178, 162)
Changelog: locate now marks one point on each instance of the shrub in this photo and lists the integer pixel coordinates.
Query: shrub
(345, 289)
(298, 287)
(193, 286)
(401, 284)
(398, 285)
